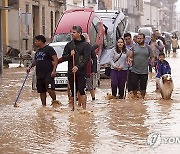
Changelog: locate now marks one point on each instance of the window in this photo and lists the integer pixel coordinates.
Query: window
(57, 16)
(43, 20)
(51, 23)
(121, 28)
(27, 26)
(94, 30)
(27, 11)
(27, 7)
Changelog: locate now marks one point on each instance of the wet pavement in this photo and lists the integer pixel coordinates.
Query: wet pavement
(109, 127)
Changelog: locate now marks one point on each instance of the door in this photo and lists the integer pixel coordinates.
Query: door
(36, 24)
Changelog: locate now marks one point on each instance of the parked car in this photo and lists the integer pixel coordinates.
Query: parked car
(91, 24)
(61, 79)
(87, 19)
(147, 31)
(115, 24)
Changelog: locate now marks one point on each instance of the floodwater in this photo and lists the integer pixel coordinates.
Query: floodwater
(109, 127)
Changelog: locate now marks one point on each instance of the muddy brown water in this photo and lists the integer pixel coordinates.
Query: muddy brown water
(110, 127)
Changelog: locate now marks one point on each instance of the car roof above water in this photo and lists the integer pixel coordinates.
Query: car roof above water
(69, 18)
(58, 44)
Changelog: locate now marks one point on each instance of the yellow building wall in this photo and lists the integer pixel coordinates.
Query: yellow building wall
(5, 37)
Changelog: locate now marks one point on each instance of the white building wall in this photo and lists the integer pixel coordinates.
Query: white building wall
(151, 16)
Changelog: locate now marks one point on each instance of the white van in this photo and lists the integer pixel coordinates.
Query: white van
(147, 31)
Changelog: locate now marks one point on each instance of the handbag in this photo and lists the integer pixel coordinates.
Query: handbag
(108, 69)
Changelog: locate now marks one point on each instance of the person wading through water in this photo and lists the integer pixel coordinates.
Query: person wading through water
(118, 61)
(91, 68)
(129, 45)
(46, 61)
(81, 50)
(139, 57)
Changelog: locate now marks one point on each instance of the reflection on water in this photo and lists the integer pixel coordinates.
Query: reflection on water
(110, 126)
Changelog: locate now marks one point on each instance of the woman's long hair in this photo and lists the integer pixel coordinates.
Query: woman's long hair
(123, 48)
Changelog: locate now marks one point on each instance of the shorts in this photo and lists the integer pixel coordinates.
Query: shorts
(137, 79)
(43, 84)
(80, 83)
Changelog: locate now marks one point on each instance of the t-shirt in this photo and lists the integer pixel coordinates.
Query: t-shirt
(115, 61)
(43, 59)
(141, 57)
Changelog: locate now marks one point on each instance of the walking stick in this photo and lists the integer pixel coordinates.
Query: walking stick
(15, 104)
(74, 76)
(126, 84)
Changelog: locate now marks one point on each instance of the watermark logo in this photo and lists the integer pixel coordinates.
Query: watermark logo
(155, 139)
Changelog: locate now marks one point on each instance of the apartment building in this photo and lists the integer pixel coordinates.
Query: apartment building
(160, 14)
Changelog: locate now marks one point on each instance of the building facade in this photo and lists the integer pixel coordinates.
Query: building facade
(41, 16)
(38, 17)
(133, 9)
(160, 15)
(34, 17)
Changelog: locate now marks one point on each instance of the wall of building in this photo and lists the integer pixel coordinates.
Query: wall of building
(13, 32)
(5, 38)
(151, 16)
(39, 22)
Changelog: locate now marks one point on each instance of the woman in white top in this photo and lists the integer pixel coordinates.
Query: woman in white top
(174, 42)
(118, 61)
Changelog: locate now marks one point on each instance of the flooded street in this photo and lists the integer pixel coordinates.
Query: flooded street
(110, 127)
